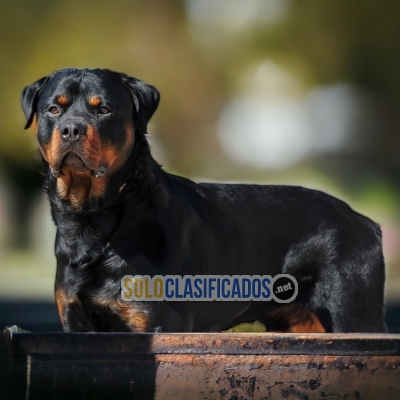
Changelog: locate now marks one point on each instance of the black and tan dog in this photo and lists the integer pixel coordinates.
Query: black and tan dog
(118, 213)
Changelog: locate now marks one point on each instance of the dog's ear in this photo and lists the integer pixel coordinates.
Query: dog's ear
(145, 98)
(29, 99)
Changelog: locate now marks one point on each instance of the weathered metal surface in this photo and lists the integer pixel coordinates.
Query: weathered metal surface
(206, 343)
(276, 377)
(204, 366)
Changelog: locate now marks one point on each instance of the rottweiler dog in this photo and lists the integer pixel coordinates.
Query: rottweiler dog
(119, 213)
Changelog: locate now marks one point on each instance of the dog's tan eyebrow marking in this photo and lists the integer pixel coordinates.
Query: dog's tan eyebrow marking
(95, 101)
(62, 99)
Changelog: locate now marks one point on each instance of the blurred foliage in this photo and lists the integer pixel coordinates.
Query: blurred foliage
(321, 42)
(198, 69)
(256, 326)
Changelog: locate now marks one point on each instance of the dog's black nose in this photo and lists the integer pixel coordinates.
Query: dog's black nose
(72, 131)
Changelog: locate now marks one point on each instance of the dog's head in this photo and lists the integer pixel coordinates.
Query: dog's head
(86, 122)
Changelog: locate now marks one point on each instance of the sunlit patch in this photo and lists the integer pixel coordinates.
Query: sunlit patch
(95, 101)
(62, 100)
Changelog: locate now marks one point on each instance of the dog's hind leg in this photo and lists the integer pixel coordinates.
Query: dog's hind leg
(350, 300)
(341, 279)
(293, 318)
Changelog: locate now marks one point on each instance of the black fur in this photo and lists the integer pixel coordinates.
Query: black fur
(164, 224)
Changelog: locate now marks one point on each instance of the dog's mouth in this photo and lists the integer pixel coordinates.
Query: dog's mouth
(73, 161)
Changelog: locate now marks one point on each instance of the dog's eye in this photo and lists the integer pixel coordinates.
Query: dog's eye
(54, 110)
(104, 110)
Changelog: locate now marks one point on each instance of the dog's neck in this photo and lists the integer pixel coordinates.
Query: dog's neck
(85, 231)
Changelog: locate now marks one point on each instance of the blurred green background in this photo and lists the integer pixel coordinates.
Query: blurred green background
(266, 91)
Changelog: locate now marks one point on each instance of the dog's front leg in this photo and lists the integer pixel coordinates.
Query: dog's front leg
(72, 315)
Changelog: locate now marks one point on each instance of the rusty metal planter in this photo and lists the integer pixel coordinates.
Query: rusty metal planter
(203, 366)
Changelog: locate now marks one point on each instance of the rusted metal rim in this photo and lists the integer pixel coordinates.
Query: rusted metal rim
(97, 344)
(202, 366)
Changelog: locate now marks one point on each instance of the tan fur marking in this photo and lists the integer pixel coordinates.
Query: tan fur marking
(80, 186)
(98, 187)
(297, 319)
(91, 144)
(130, 139)
(61, 301)
(63, 100)
(311, 325)
(63, 185)
(35, 124)
(95, 101)
(116, 157)
(74, 187)
(52, 151)
(110, 155)
(113, 158)
(136, 319)
(79, 190)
